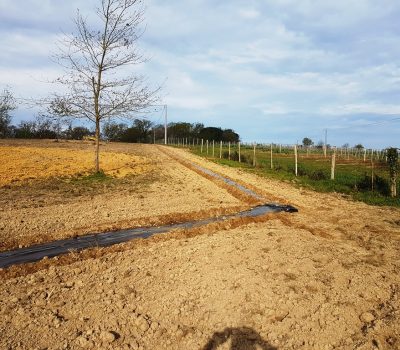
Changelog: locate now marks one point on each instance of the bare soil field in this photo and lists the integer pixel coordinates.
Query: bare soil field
(45, 195)
(327, 277)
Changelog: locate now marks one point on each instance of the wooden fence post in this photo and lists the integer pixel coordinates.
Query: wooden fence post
(239, 151)
(372, 172)
(229, 150)
(220, 150)
(254, 155)
(333, 165)
(207, 146)
(202, 143)
(213, 153)
(295, 159)
(272, 163)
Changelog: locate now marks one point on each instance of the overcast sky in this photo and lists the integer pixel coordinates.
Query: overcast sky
(274, 70)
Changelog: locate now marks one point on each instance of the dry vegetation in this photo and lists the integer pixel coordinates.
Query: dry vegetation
(324, 278)
(20, 165)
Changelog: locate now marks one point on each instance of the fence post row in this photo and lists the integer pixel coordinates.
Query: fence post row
(336, 153)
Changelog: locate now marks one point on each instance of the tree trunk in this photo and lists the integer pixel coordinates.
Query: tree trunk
(97, 141)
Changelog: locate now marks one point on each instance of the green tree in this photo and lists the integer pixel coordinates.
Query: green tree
(113, 131)
(229, 135)
(211, 133)
(180, 130)
(307, 142)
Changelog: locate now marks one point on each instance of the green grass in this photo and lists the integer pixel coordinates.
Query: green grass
(91, 179)
(352, 177)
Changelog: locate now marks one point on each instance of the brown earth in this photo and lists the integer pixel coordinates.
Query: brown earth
(324, 278)
(48, 208)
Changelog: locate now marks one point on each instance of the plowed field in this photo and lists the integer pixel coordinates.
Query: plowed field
(327, 277)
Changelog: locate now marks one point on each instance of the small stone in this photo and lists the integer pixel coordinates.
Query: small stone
(367, 317)
(107, 337)
(179, 333)
(82, 341)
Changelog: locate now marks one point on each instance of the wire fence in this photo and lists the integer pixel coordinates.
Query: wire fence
(341, 169)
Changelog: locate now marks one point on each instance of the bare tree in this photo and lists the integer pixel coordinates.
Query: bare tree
(7, 104)
(98, 65)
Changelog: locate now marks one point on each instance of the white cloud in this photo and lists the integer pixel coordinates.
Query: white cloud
(249, 13)
(363, 108)
(281, 58)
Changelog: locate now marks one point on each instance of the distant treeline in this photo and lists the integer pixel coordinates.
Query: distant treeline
(144, 131)
(141, 130)
(43, 128)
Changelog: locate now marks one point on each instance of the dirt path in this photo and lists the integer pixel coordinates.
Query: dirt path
(324, 278)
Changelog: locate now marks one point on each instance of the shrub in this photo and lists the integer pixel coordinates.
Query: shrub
(300, 170)
(318, 175)
(381, 184)
(225, 155)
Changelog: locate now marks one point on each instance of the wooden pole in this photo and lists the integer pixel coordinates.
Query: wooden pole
(220, 150)
(295, 159)
(372, 173)
(365, 154)
(207, 146)
(239, 151)
(333, 165)
(213, 150)
(202, 143)
(229, 150)
(254, 154)
(272, 163)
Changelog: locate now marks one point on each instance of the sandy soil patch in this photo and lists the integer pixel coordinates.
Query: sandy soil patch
(268, 284)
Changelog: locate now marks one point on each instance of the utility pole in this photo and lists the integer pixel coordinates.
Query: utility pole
(165, 125)
(326, 137)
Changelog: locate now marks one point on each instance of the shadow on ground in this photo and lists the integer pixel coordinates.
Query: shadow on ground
(242, 338)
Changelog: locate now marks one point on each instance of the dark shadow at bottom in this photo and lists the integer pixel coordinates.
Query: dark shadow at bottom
(242, 338)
